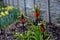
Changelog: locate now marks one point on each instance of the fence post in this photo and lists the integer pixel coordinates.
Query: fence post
(49, 11)
(34, 3)
(25, 7)
(18, 3)
(13, 2)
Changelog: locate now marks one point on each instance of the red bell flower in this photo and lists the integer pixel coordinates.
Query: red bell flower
(36, 14)
(42, 28)
(23, 20)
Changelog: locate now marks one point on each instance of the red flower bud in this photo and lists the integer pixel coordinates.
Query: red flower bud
(42, 29)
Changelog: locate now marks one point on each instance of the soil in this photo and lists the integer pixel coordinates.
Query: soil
(8, 32)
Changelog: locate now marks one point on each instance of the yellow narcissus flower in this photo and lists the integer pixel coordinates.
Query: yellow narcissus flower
(9, 8)
(2, 13)
(6, 12)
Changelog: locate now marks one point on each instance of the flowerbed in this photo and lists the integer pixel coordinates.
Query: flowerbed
(8, 15)
(36, 29)
(34, 34)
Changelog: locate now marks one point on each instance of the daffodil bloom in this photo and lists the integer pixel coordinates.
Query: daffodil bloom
(6, 12)
(2, 13)
(9, 8)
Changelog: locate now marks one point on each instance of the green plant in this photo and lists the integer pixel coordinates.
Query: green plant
(8, 15)
(2, 5)
(33, 34)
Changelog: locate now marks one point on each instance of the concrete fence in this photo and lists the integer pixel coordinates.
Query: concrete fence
(28, 6)
(43, 4)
